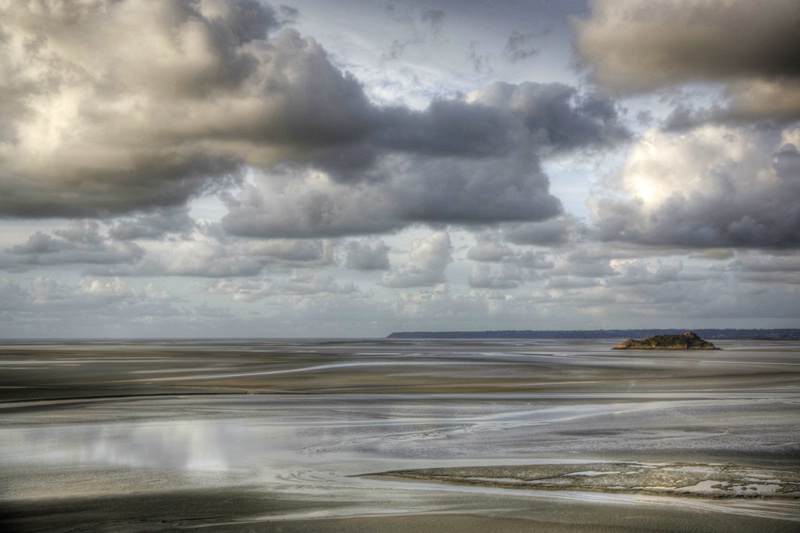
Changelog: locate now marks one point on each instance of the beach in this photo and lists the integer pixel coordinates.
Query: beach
(398, 435)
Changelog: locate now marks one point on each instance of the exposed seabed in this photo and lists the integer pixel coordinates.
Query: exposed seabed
(398, 436)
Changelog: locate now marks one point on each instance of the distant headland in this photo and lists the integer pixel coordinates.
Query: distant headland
(715, 334)
(687, 341)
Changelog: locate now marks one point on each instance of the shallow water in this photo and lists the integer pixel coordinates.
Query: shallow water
(302, 421)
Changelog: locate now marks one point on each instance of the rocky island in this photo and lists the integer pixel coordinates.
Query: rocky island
(687, 341)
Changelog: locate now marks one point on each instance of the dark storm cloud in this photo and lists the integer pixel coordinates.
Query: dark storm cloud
(711, 187)
(557, 115)
(448, 127)
(113, 128)
(210, 89)
(470, 161)
(638, 45)
(152, 181)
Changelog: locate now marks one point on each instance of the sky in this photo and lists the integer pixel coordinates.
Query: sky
(351, 168)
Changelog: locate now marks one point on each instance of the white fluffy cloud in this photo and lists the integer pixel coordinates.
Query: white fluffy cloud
(426, 263)
(714, 186)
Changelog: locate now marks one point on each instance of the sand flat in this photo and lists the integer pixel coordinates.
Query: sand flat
(279, 436)
(673, 479)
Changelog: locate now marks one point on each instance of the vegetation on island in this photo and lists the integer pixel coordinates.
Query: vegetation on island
(686, 341)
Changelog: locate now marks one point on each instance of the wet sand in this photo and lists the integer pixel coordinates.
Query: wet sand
(673, 479)
(476, 436)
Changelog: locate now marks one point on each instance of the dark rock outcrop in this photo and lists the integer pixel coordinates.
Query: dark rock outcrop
(687, 341)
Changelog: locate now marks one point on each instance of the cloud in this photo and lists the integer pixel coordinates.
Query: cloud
(585, 262)
(80, 243)
(487, 276)
(753, 47)
(471, 161)
(498, 266)
(535, 260)
(645, 272)
(714, 186)
(90, 308)
(156, 224)
(300, 283)
(755, 266)
(91, 294)
(426, 264)
(14, 302)
(420, 28)
(411, 190)
(521, 46)
(202, 255)
(489, 249)
(448, 128)
(138, 247)
(295, 252)
(211, 89)
(557, 231)
(209, 253)
(198, 253)
(311, 206)
(558, 116)
(367, 254)
(95, 129)
(288, 13)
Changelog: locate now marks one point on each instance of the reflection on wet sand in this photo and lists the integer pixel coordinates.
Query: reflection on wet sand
(284, 432)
